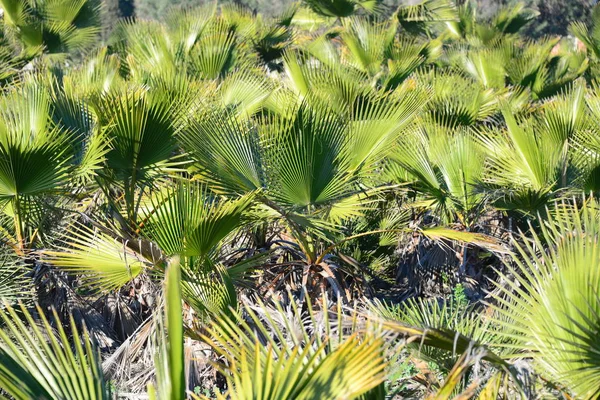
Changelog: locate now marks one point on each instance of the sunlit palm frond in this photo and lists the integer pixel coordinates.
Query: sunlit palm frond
(245, 92)
(88, 141)
(405, 56)
(103, 261)
(141, 128)
(447, 167)
(451, 315)
(486, 66)
(376, 123)
(190, 222)
(351, 370)
(208, 290)
(99, 74)
(416, 18)
(342, 8)
(367, 43)
(169, 357)
(15, 284)
(307, 18)
(511, 19)
(227, 152)
(299, 356)
(215, 52)
(187, 25)
(41, 362)
(589, 34)
(56, 28)
(525, 161)
(552, 302)
(330, 81)
(36, 157)
(308, 159)
(456, 101)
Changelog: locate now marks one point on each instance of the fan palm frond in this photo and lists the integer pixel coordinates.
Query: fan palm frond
(367, 43)
(227, 152)
(511, 19)
(141, 128)
(36, 157)
(416, 18)
(442, 314)
(39, 363)
(525, 160)
(341, 8)
(552, 304)
(589, 35)
(53, 27)
(218, 51)
(188, 221)
(292, 356)
(437, 159)
(105, 261)
(314, 168)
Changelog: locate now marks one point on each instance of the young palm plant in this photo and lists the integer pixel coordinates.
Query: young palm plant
(46, 140)
(312, 168)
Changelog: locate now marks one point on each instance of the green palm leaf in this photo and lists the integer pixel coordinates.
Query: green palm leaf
(351, 370)
(415, 18)
(208, 290)
(308, 158)
(589, 35)
(214, 54)
(15, 285)
(141, 128)
(300, 355)
(452, 315)
(227, 152)
(448, 166)
(367, 43)
(342, 8)
(53, 27)
(512, 19)
(245, 92)
(103, 261)
(526, 160)
(35, 156)
(190, 222)
(174, 322)
(147, 49)
(37, 363)
(552, 304)
(376, 124)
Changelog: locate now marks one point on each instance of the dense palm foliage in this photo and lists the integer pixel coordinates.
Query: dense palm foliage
(328, 204)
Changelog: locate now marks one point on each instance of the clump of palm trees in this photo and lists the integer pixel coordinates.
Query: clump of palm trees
(343, 201)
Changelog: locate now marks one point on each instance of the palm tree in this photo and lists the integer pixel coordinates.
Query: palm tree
(309, 166)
